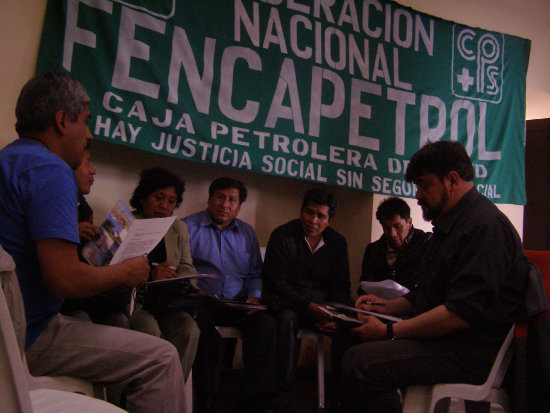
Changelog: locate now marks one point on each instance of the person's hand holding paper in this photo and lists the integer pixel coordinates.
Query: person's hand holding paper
(135, 270)
(163, 271)
(371, 302)
(322, 318)
(372, 328)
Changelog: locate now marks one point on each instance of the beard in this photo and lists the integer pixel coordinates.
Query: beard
(429, 213)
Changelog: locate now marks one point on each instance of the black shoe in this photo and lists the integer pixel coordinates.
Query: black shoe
(335, 406)
(252, 406)
(204, 406)
(241, 406)
(281, 402)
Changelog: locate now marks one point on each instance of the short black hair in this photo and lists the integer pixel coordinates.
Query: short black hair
(320, 196)
(224, 183)
(156, 178)
(440, 158)
(392, 206)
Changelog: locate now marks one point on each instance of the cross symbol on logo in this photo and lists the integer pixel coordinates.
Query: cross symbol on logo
(465, 79)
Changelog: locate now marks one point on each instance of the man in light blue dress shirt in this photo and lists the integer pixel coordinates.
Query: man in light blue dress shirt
(223, 245)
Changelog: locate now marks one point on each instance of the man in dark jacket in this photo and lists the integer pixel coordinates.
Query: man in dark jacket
(306, 264)
(397, 253)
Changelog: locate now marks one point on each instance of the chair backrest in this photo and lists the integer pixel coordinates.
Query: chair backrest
(502, 361)
(14, 392)
(13, 297)
(542, 259)
(532, 395)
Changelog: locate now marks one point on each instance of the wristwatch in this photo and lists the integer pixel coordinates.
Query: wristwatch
(389, 331)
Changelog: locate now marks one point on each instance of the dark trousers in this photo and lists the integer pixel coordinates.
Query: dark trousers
(373, 371)
(288, 323)
(258, 351)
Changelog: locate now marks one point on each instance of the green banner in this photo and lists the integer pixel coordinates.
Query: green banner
(338, 92)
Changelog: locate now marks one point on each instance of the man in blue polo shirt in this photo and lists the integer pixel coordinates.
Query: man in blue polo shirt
(38, 221)
(223, 245)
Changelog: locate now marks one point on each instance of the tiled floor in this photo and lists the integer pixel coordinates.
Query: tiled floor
(304, 393)
(303, 397)
(457, 406)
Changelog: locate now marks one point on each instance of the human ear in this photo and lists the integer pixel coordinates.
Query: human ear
(452, 180)
(61, 120)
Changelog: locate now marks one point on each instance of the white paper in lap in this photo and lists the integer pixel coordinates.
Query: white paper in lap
(387, 289)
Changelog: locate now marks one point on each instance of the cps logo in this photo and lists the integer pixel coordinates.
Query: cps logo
(477, 64)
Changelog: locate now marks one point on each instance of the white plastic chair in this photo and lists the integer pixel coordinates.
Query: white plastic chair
(188, 393)
(233, 332)
(315, 336)
(317, 339)
(63, 383)
(15, 316)
(423, 399)
(15, 393)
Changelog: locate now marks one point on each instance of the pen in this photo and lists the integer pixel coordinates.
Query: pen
(155, 264)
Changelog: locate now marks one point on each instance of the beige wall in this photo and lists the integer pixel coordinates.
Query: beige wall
(272, 200)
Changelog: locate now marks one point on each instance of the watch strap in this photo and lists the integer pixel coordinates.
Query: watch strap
(389, 331)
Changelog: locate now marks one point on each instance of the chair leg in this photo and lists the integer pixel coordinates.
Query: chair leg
(442, 405)
(320, 371)
(417, 399)
(188, 393)
(471, 406)
(500, 397)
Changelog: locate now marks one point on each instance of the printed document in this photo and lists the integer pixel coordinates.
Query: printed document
(387, 289)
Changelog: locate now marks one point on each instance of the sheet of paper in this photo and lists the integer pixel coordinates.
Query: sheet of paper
(237, 304)
(183, 277)
(143, 236)
(357, 310)
(132, 303)
(340, 317)
(387, 289)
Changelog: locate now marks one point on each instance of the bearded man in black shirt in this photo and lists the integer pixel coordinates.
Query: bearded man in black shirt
(471, 290)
